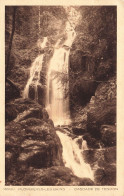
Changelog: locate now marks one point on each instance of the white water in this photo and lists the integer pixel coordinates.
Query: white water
(57, 98)
(57, 103)
(73, 158)
(35, 71)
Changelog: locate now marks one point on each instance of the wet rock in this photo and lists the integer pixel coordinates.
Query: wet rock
(25, 104)
(50, 122)
(40, 151)
(41, 94)
(105, 114)
(86, 182)
(37, 92)
(32, 92)
(78, 130)
(33, 143)
(108, 135)
(24, 109)
(33, 112)
(11, 90)
(103, 163)
(32, 122)
(110, 155)
(34, 152)
(106, 176)
(100, 157)
(103, 110)
(53, 176)
(93, 156)
(91, 142)
(82, 90)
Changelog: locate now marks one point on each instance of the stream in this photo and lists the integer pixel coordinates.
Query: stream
(57, 100)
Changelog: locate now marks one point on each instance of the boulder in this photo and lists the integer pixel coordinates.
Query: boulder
(106, 177)
(103, 112)
(91, 141)
(103, 163)
(53, 176)
(108, 135)
(32, 113)
(37, 91)
(31, 143)
(82, 90)
(92, 156)
(78, 130)
(110, 155)
(86, 182)
(21, 109)
(100, 157)
(100, 115)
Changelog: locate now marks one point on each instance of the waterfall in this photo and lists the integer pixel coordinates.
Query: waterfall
(57, 103)
(57, 98)
(72, 156)
(35, 70)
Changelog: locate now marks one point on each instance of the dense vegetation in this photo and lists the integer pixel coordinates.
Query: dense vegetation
(30, 134)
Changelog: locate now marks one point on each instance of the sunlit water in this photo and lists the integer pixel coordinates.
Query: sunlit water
(57, 99)
(57, 103)
(72, 156)
(35, 71)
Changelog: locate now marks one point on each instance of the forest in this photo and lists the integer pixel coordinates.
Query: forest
(60, 95)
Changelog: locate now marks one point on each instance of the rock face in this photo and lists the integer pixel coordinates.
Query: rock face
(40, 93)
(100, 116)
(100, 133)
(103, 112)
(108, 135)
(33, 149)
(31, 140)
(106, 176)
(24, 108)
(103, 162)
(52, 176)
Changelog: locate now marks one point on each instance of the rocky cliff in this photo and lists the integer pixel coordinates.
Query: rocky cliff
(33, 150)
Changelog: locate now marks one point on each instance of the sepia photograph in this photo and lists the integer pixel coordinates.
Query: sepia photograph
(60, 95)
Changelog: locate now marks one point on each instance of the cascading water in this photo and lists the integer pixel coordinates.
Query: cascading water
(58, 84)
(35, 71)
(58, 104)
(72, 156)
(57, 98)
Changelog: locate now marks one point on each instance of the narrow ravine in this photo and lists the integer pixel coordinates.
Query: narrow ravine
(57, 98)
(60, 95)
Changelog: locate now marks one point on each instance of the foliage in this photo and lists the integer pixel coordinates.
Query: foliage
(93, 53)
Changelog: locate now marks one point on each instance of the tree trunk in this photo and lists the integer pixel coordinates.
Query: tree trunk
(11, 39)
